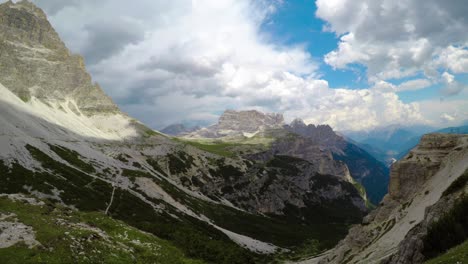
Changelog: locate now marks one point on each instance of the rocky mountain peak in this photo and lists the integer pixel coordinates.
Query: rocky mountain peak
(320, 133)
(35, 63)
(249, 121)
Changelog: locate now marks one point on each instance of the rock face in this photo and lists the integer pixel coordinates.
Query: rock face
(393, 232)
(35, 62)
(239, 124)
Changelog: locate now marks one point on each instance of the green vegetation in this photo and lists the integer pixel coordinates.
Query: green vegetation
(458, 254)
(25, 96)
(281, 231)
(362, 191)
(219, 148)
(449, 231)
(311, 247)
(460, 183)
(77, 186)
(230, 147)
(73, 157)
(69, 236)
(195, 238)
(180, 162)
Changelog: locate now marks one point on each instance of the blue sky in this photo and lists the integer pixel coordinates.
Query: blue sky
(378, 63)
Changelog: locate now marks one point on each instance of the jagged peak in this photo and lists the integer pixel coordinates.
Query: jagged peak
(297, 122)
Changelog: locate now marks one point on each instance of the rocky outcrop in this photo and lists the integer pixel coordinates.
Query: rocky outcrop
(393, 232)
(34, 62)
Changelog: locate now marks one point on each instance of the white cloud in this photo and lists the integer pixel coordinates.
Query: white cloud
(454, 59)
(411, 85)
(451, 86)
(397, 39)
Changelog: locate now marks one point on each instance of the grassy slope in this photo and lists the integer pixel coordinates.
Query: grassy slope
(64, 241)
(458, 254)
(230, 147)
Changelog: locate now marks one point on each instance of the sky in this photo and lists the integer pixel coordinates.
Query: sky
(352, 64)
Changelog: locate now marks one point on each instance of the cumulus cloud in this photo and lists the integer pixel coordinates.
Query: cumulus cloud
(396, 39)
(189, 60)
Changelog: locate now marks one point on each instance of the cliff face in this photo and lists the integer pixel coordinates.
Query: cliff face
(34, 62)
(393, 232)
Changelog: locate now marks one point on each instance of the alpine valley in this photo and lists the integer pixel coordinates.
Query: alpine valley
(83, 182)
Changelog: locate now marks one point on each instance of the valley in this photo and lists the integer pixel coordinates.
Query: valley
(83, 182)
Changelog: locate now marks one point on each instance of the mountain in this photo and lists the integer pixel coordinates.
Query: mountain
(364, 168)
(424, 213)
(178, 130)
(100, 182)
(240, 123)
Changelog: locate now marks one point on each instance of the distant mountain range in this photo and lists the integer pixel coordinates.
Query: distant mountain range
(391, 143)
